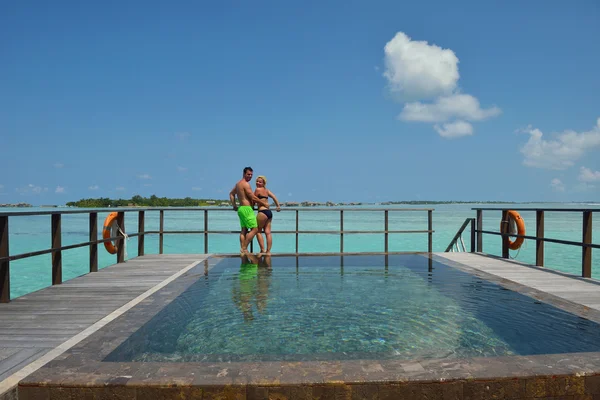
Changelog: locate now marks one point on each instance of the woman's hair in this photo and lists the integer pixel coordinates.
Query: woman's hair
(263, 178)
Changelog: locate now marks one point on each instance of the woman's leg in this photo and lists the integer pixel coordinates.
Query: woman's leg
(268, 234)
(262, 220)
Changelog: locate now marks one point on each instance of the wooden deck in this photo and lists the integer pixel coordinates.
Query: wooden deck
(37, 327)
(575, 289)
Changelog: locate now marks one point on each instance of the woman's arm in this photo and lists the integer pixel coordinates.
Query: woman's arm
(271, 195)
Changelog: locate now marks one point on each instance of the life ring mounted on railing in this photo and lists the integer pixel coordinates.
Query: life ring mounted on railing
(513, 224)
(110, 230)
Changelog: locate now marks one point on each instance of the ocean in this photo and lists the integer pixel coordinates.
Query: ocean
(31, 233)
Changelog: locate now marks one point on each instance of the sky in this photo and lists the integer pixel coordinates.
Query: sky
(330, 100)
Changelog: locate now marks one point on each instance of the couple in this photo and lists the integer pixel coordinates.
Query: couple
(252, 224)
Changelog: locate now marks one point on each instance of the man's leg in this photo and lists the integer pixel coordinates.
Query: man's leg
(243, 234)
(249, 238)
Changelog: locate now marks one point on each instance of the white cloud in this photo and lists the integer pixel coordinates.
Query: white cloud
(418, 70)
(196, 189)
(1, 186)
(561, 152)
(290, 194)
(454, 129)
(425, 76)
(120, 188)
(557, 185)
(182, 169)
(462, 106)
(144, 176)
(59, 189)
(587, 175)
(147, 184)
(94, 187)
(59, 165)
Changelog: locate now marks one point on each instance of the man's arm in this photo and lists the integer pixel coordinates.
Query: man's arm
(271, 195)
(252, 197)
(232, 198)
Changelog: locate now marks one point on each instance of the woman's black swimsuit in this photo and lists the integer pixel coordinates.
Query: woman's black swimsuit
(268, 213)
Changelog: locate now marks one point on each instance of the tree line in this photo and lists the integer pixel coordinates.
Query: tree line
(139, 201)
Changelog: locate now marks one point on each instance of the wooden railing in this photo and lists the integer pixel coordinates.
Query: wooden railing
(93, 242)
(458, 237)
(586, 234)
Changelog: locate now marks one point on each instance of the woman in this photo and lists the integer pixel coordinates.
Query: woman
(265, 215)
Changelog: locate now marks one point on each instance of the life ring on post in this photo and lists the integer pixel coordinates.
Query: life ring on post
(110, 230)
(516, 224)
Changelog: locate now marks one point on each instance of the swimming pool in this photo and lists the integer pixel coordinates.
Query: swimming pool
(319, 308)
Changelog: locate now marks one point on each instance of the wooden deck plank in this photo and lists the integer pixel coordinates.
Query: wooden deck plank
(36, 323)
(574, 288)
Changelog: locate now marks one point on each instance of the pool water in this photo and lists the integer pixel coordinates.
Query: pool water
(355, 307)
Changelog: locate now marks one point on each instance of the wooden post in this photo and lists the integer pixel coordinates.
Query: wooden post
(205, 231)
(539, 243)
(4, 265)
(93, 238)
(296, 237)
(586, 252)
(430, 229)
(121, 241)
(479, 229)
(504, 229)
(342, 233)
(160, 231)
(385, 227)
(472, 235)
(141, 230)
(56, 240)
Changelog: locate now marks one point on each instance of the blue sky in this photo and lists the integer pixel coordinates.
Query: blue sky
(336, 100)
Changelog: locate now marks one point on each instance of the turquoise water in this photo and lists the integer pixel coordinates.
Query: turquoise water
(320, 310)
(33, 233)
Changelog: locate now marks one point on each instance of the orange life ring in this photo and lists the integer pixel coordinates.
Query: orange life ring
(514, 219)
(109, 230)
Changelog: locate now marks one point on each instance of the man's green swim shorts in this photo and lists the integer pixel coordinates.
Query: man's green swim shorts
(247, 217)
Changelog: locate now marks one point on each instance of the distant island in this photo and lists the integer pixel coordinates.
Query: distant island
(154, 201)
(16, 205)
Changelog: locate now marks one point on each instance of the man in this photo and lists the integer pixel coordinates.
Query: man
(245, 212)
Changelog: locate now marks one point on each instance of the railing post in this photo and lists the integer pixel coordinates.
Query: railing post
(205, 231)
(430, 229)
(479, 229)
(504, 229)
(141, 230)
(539, 243)
(4, 265)
(341, 231)
(93, 238)
(121, 241)
(56, 240)
(385, 224)
(586, 257)
(160, 231)
(472, 235)
(296, 235)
